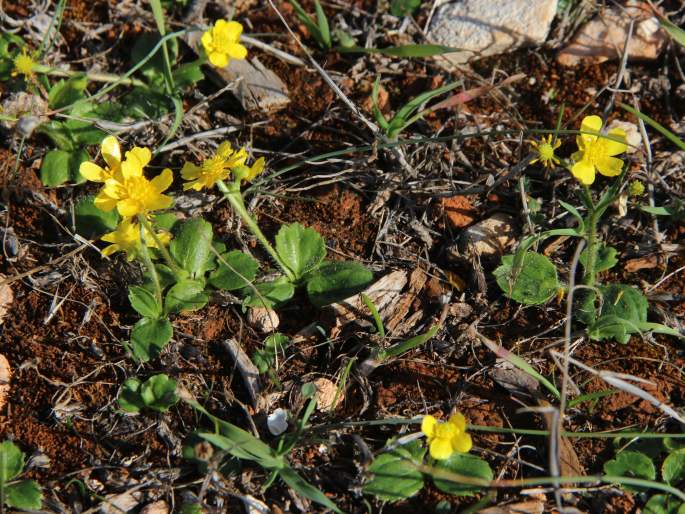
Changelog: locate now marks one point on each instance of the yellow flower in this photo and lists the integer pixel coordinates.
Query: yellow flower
(221, 43)
(213, 169)
(23, 65)
(130, 192)
(446, 438)
(126, 238)
(111, 152)
(636, 188)
(545, 149)
(596, 152)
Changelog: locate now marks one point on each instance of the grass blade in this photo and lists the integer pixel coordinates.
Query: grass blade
(655, 125)
(324, 29)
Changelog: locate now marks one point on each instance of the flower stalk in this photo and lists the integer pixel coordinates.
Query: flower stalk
(232, 194)
(145, 254)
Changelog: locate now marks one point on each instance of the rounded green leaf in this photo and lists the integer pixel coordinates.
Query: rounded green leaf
(186, 295)
(129, 396)
(466, 465)
(91, 222)
(236, 270)
(663, 504)
(335, 281)
(159, 392)
(144, 302)
(673, 468)
(394, 476)
(11, 461)
(24, 495)
(192, 245)
(301, 249)
(54, 170)
(630, 464)
(149, 336)
(532, 281)
(268, 294)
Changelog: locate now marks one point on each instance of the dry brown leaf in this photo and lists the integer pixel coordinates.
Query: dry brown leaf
(6, 298)
(529, 507)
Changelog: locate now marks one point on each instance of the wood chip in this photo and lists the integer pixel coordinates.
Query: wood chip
(5, 377)
(259, 88)
(529, 507)
(326, 391)
(646, 262)
(6, 298)
(248, 371)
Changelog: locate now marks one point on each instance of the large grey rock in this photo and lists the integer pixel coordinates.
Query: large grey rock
(479, 28)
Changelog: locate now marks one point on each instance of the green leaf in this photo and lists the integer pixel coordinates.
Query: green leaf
(395, 475)
(404, 7)
(144, 302)
(624, 309)
(91, 222)
(403, 51)
(322, 23)
(533, 283)
(59, 166)
(146, 103)
(153, 70)
(663, 504)
(301, 249)
(11, 461)
(187, 75)
(265, 357)
(186, 295)
(631, 464)
(149, 337)
(606, 258)
(674, 31)
(673, 468)
(66, 92)
(304, 488)
(192, 245)
(159, 392)
(243, 445)
(129, 399)
(236, 270)
(462, 464)
(24, 495)
(337, 280)
(269, 294)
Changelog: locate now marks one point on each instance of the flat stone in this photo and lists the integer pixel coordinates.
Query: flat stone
(479, 28)
(489, 237)
(603, 38)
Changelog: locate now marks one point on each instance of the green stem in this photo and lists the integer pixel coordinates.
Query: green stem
(92, 76)
(165, 253)
(150, 266)
(232, 194)
(591, 240)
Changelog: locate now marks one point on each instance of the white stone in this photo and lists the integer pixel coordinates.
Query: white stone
(263, 319)
(633, 136)
(277, 422)
(479, 28)
(604, 37)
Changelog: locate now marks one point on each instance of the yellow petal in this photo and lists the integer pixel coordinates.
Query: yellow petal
(584, 171)
(111, 151)
(190, 171)
(236, 51)
(232, 29)
(128, 207)
(590, 124)
(462, 443)
(162, 181)
(457, 419)
(428, 425)
(616, 147)
(159, 202)
(105, 202)
(143, 155)
(207, 39)
(224, 150)
(609, 166)
(109, 250)
(218, 59)
(92, 172)
(441, 449)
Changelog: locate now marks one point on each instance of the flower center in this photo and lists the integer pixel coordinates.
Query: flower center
(222, 42)
(24, 64)
(546, 152)
(596, 150)
(214, 167)
(140, 189)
